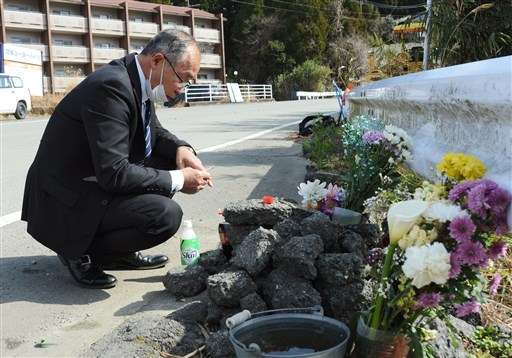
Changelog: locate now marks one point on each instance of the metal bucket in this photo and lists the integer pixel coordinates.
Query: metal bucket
(298, 333)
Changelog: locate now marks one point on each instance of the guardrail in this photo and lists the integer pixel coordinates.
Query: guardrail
(463, 108)
(212, 92)
(314, 95)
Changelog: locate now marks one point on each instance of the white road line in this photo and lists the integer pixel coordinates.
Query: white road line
(252, 136)
(16, 216)
(10, 218)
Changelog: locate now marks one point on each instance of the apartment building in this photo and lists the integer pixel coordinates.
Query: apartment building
(76, 37)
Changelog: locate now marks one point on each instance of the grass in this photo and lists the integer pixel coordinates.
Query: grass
(45, 105)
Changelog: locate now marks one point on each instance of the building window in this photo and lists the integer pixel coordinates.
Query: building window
(20, 40)
(202, 76)
(63, 42)
(61, 12)
(18, 7)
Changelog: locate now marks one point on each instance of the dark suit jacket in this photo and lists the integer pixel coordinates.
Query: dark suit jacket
(95, 131)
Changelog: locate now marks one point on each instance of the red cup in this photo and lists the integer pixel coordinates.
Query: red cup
(268, 199)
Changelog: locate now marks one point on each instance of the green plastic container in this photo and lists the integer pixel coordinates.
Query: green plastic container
(190, 246)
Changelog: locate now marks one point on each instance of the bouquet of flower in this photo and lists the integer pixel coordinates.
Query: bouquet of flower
(318, 195)
(377, 156)
(439, 243)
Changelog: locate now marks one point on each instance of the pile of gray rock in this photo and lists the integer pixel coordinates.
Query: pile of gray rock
(283, 257)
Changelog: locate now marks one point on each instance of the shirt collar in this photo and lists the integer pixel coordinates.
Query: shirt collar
(144, 90)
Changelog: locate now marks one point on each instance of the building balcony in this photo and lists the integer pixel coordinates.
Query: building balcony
(108, 27)
(177, 27)
(75, 54)
(62, 84)
(210, 60)
(105, 55)
(25, 20)
(71, 24)
(143, 29)
(207, 35)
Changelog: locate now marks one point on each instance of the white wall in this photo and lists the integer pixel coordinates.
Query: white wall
(465, 108)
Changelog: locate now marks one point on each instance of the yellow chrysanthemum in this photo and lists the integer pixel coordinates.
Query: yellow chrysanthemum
(460, 166)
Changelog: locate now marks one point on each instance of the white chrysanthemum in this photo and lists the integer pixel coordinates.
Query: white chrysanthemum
(312, 191)
(443, 211)
(427, 264)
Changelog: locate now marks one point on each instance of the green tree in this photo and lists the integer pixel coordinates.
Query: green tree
(470, 30)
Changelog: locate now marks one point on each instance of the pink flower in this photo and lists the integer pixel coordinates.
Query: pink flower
(467, 308)
(373, 137)
(494, 284)
(428, 300)
(498, 249)
(462, 228)
(472, 253)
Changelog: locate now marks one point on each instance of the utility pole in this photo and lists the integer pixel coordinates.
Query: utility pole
(428, 30)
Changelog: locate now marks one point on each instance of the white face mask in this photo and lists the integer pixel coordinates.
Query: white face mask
(157, 94)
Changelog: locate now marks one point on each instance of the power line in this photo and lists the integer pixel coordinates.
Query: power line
(311, 6)
(394, 7)
(296, 11)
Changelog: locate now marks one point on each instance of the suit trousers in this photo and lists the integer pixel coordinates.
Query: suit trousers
(137, 222)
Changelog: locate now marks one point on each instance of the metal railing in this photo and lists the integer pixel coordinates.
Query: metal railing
(212, 92)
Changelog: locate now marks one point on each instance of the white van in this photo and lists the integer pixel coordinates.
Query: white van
(14, 96)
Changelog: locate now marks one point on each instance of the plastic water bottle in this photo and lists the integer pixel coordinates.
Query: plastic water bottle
(189, 246)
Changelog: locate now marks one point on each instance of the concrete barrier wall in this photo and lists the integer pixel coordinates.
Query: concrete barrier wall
(464, 108)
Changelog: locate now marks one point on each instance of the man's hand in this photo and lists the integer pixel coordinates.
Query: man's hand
(194, 180)
(185, 158)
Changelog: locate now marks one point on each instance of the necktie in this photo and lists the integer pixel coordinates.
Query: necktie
(147, 129)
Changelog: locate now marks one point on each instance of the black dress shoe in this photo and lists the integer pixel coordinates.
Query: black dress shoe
(134, 261)
(87, 273)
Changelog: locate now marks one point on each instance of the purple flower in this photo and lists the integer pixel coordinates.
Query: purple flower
(498, 249)
(455, 265)
(373, 137)
(461, 188)
(499, 200)
(462, 228)
(472, 253)
(494, 284)
(428, 300)
(467, 308)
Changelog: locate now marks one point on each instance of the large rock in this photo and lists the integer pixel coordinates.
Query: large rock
(254, 253)
(321, 225)
(446, 344)
(218, 345)
(148, 336)
(213, 261)
(344, 302)
(254, 212)
(228, 287)
(237, 233)
(217, 315)
(282, 290)
(195, 311)
(298, 255)
(370, 233)
(253, 303)
(339, 269)
(186, 281)
(352, 242)
(286, 229)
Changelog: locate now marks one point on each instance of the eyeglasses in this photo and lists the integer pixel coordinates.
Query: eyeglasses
(183, 84)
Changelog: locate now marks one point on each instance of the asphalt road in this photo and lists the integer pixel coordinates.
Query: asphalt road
(249, 148)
